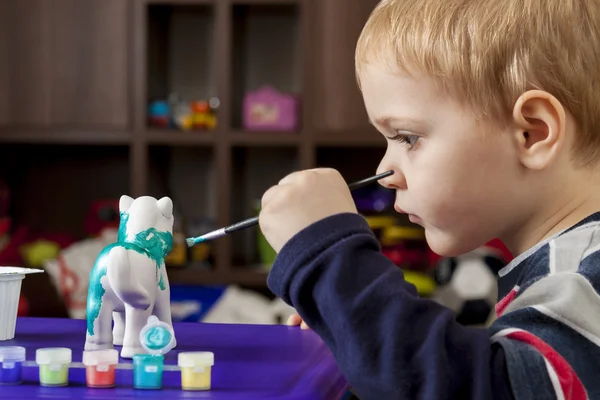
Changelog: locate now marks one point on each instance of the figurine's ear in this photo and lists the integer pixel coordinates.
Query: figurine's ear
(125, 203)
(165, 205)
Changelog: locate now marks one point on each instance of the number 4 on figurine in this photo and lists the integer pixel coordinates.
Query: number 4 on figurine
(128, 281)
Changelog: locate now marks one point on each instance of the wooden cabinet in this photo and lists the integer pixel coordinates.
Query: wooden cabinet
(24, 56)
(88, 67)
(64, 63)
(77, 78)
(339, 105)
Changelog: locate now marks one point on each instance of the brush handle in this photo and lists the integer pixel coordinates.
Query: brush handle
(355, 185)
(242, 225)
(369, 180)
(254, 220)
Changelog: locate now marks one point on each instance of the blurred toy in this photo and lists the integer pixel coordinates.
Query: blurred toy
(202, 115)
(182, 116)
(35, 253)
(373, 199)
(424, 283)
(269, 109)
(128, 281)
(265, 252)
(5, 220)
(178, 255)
(70, 270)
(159, 114)
(191, 303)
(101, 215)
(203, 252)
(378, 223)
(406, 247)
(467, 284)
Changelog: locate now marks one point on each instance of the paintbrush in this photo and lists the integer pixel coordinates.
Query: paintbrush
(254, 220)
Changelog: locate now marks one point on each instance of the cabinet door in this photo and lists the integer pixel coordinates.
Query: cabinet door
(89, 44)
(24, 57)
(339, 104)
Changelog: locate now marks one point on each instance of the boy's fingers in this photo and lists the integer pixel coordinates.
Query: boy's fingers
(294, 320)
(304, 326)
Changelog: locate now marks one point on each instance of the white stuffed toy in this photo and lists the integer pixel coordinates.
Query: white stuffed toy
(128, 282)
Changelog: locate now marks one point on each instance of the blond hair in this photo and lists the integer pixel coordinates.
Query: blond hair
(486, 53)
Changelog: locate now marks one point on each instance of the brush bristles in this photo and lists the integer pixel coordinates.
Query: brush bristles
(192, 241)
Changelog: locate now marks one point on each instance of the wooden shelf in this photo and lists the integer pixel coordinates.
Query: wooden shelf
(56, 88)
(180, 2)
(264, 2)
(56, 135)
(176, 137)
(265, 138)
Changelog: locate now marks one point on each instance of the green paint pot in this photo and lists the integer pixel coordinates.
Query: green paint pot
(54, 363)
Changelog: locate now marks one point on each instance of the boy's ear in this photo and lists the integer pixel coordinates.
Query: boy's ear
(540, 134)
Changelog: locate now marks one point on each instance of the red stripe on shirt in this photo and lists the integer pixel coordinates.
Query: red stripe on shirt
(570, 384)
(506, 300)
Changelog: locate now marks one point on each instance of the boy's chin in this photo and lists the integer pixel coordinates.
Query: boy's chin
(447, 245)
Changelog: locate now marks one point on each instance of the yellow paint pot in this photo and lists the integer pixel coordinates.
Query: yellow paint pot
(195, 369)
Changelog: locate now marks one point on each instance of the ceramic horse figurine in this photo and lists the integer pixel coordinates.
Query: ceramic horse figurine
(128, 281)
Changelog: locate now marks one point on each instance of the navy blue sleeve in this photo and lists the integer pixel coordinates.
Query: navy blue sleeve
(388, 342)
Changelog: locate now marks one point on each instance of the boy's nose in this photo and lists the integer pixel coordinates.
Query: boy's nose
(396, 180)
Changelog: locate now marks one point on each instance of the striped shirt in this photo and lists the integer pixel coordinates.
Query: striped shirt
(549, 316)
(392, 344)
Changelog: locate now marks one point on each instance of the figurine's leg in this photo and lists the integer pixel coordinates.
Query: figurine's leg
(135, 321)
(119, 328)
(102, 337)
(162, 307)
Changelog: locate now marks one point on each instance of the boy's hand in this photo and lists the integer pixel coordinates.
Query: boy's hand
(301, 199)
(295, 320)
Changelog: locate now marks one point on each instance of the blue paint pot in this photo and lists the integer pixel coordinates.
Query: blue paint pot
(148, 371)
(11, 370)
(157, 338)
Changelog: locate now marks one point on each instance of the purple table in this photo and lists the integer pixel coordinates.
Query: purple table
(251, 362)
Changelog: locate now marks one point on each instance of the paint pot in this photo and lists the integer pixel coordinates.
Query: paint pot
(195, 369)
(11, 370)
(157, 338)
(100, 366)
(148, 371)
(54, 363)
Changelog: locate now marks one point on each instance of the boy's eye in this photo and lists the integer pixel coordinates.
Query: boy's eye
(408, 139)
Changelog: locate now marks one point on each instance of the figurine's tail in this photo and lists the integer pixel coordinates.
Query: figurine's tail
(123, 281)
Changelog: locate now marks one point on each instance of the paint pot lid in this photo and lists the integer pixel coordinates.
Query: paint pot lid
(12, 354)
(192, 359)
(100, 357)
(53, 355)
(157, 337)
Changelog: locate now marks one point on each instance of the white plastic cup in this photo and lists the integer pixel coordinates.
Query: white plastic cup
(10, 292)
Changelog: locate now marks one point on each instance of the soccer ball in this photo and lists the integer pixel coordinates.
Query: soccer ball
(468, 285)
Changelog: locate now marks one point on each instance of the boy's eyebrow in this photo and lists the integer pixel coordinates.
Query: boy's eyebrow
(385, 121)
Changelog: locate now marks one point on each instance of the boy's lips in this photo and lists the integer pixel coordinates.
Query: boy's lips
(412, 217)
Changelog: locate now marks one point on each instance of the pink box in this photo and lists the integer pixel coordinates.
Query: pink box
(269, 109)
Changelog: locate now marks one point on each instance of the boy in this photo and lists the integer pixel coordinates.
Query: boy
(491, 111)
